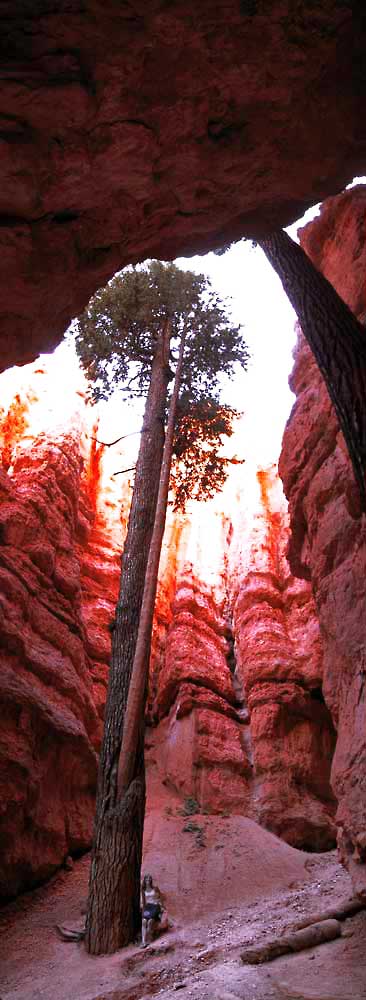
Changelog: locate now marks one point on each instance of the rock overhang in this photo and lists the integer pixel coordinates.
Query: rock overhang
(150, 129)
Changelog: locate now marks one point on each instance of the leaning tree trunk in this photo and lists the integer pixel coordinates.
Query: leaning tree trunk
(116, 857)
(336, 338)
(135, 711)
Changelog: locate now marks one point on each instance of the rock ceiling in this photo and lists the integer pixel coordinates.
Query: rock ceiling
(151, 129)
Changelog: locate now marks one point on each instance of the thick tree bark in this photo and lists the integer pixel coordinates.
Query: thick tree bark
(135, 710)
(113, 915)
(336, 338)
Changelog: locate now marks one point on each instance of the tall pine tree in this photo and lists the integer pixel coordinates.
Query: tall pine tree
(129, 337)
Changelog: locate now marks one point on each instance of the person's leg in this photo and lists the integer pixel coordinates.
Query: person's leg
(143, 932)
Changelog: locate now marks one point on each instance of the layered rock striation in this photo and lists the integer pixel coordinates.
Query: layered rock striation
(199, 746)
(58, 586)
(49, 720)
(328, 534)
(279, 660)
(241, 723)
(140, 130)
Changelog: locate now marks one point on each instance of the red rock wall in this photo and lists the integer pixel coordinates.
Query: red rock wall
(279, 662)
(99, 554)
(49, 720)
(328, 536)
(199, 744)
(155, 129)
(242, 724)
(58, 585)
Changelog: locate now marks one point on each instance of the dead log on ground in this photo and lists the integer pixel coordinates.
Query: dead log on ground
(340, 912)
(308, 937)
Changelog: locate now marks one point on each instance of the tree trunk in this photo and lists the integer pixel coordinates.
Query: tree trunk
(135, 711)
(336, 338)
(113, 915)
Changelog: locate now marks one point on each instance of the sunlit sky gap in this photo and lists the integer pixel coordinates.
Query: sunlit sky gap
(259, 303)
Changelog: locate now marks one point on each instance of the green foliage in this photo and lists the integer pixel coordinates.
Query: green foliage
(190, 807)
(117, 333)
(199, 469)
(199, 832)
(116, 340)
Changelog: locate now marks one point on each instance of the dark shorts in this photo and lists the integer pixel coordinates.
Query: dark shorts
(152, 911)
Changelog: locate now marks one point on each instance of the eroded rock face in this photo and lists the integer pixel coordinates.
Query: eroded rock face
(49, 720)
(279, 662)
(55, 565)
(328, 539)
(153, 129)
(200, 745)
(243, 725)
(104, 521)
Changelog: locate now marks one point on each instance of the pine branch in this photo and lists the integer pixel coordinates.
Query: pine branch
(109, 444)
(122, 471)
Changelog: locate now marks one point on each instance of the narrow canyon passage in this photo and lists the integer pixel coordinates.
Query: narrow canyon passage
(255, 724)
(134, 132)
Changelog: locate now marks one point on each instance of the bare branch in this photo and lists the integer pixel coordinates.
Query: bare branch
(121, 471)
(109, 444)
(133, 379)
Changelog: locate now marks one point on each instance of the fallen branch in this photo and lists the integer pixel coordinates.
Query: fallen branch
(308, 937)
(340, 912)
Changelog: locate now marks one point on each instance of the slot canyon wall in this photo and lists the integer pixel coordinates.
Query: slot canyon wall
(328, 535)
(54, 563)
(236, 717)
(239, 690)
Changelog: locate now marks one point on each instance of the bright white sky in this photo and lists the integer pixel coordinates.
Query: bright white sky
(261, 306)
(259, 303)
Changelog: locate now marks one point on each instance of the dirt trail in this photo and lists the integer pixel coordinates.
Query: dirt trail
(242, 884)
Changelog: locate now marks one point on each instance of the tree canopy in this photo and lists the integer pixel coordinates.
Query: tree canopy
(117, 333)
(116, 340)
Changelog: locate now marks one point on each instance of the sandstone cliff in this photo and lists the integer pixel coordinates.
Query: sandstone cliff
(328, 536)
(244, 727)
(55, 565)
(49, 719)
(280, 663)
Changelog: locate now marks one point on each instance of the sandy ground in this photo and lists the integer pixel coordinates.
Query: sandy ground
(227, 883)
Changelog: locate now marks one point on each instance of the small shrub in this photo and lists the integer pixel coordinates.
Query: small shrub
(191, 827)
(199, 832)
(190, 807)
(200, 838)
